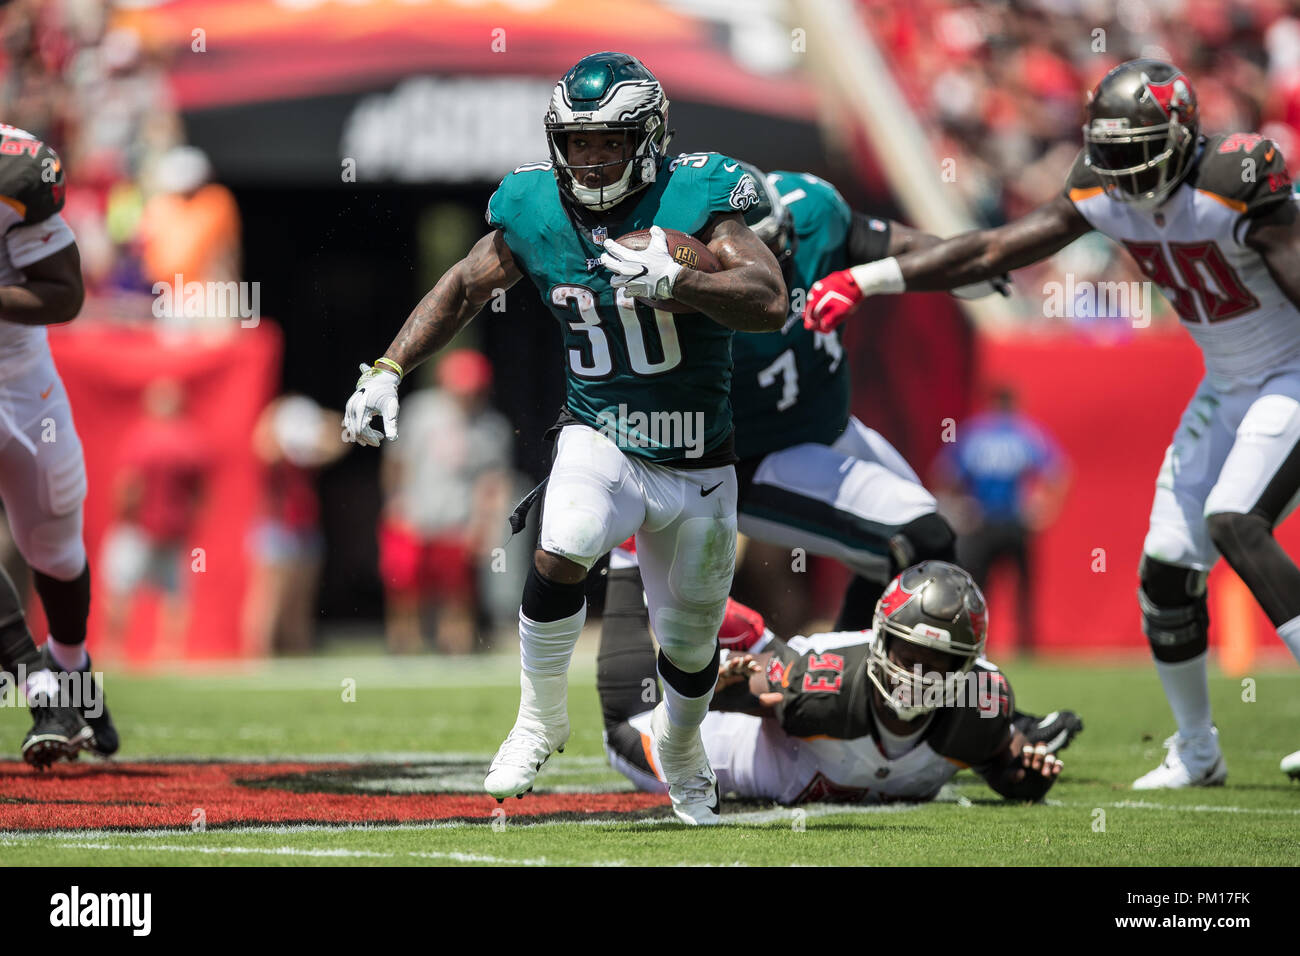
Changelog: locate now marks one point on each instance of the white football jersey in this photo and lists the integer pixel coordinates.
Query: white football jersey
(1193, 248)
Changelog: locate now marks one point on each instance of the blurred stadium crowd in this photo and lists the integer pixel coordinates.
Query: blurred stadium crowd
(77, 76)
(996, 84)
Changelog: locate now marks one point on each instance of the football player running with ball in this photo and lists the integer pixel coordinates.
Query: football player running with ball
(627, 363)
(42, 470)
(1213, 222)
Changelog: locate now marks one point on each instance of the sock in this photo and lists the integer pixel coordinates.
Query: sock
(66, 604)
(70, 657)
(1188, 689)
(685, 711)
(544, 652)
(545, 647)
(42, 684)
(1290, 634)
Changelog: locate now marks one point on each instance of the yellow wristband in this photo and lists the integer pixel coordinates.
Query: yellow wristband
(391, 366)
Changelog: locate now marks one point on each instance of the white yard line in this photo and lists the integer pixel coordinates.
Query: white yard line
(1174, 808)
(454, 856)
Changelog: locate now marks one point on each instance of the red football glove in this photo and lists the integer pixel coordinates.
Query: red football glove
(830, 300)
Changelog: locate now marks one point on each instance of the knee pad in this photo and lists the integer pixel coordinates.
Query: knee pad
(687, 679)
(54, 546)
(1237, 535)
(927, 538)
(1175, 614)
(545, 600)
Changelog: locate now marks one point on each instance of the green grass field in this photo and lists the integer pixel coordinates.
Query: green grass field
(413, 711)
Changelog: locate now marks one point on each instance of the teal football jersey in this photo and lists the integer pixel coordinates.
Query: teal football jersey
(657, 383)
(794, 386)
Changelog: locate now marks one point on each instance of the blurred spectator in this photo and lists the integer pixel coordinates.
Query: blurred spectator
(1003, 481)
(294, 438)
(445, 482)
(161, 479)
(190, 227)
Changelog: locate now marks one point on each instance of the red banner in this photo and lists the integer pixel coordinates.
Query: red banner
(1113, 408)
(225, 382)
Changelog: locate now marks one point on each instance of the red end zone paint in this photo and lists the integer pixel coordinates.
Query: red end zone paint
(139, 795)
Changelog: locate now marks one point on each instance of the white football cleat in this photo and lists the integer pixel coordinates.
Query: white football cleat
(541, 729)
(1190, 762)
(1291, 765)
(519, 759)
(692, 784)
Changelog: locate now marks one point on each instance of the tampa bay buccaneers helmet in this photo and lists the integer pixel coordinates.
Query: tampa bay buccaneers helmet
(936, 605)
(608, 91)
(1140, 138)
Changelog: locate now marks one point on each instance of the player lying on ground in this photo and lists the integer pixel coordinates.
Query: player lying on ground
(849, 716)
(42, 471)
(555, 222)
(624, 580)
(1214, 223)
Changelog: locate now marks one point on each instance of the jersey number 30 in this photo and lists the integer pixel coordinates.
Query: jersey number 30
(601, 362)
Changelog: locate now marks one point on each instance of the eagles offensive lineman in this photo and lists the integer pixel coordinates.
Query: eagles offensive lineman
(843, 717)
(42, 473)
(1213, 222)
(609, 175)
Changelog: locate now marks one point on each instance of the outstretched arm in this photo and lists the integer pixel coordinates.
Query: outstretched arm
(456, 298)
(984, 253)
(962, 260)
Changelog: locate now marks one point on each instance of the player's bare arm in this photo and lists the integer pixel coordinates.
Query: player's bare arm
(445, 310)
(1022, 771)
(985, 253)
(52, 293)
(749, 295)
(971, 257)
(1276, 237)
(456, 298)
(904, 239)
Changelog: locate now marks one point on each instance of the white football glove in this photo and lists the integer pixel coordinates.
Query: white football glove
(376, 394)
(649, 273)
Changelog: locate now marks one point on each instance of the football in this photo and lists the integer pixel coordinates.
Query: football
(685, 249)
